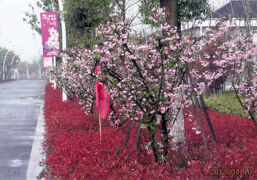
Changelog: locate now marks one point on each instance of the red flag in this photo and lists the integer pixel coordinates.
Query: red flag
(102, 97)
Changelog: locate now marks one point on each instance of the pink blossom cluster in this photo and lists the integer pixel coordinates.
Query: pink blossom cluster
(142, 75)
(219, 54)
(145, 77)
(77, 79)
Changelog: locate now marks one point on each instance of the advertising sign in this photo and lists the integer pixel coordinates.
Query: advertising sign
(48, 63)
(50, 34)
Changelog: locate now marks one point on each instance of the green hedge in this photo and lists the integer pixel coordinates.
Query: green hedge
(225, 103)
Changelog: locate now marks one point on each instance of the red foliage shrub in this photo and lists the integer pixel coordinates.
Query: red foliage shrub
(74, 150)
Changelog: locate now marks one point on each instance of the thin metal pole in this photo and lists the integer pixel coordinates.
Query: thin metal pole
(28, 77)
(13, 59)
(39, 69)
(100, 127)
(54, 67)
(4, 63)
(12, 64)
(60, 2)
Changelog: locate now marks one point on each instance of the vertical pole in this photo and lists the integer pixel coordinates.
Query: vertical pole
(54, 67)
(100, 127)
(11, 66)
(18, 75)
(28, 77)
(39, 70)
(255, 58)
(13, 60)
(4, 63)
(60, 2)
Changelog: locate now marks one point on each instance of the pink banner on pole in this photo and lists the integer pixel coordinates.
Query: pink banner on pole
(48, 63)
(50, 34)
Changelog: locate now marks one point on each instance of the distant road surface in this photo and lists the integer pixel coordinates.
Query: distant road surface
(20, 103)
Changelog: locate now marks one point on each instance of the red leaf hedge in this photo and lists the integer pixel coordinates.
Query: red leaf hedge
(74, 150)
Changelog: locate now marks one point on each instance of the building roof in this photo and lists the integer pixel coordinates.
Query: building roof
(235, 9)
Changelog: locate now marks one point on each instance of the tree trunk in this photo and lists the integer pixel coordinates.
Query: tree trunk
(139, 130)
(178, 129)
(165, 134)
(123, 10)
(247, 11)
(153, 144)
(128, 133)
(170, 7)
(253, 119)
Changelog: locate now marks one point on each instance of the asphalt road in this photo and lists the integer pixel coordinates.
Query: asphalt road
(20, 103)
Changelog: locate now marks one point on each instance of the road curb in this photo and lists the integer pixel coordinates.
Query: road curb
(37, 152)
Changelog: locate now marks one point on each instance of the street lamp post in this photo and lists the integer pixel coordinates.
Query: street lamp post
(39, 69)
(13, 59)
(54, 67)
(4, 63)
(28, 77)
(12, 64)
(60, 2)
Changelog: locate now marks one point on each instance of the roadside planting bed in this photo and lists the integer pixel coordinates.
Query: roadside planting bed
(74, 149)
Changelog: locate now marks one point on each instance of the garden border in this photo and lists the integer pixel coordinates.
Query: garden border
(37, 152)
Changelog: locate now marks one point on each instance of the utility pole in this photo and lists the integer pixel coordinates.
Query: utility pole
(54, 68)
(13, 59)
(39, 70)
(28, 77)
(12, 64)
(4, 63)
(60, 3)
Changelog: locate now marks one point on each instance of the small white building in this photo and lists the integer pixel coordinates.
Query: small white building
(240, 15)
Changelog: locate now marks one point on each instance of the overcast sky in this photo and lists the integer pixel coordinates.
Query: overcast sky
(18, 36)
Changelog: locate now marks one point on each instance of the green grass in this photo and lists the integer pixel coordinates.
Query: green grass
(226, 103)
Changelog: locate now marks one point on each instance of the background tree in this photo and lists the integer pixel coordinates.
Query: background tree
(178, 10)
(11, 62)
(82, 17)
(32, 18)
(35, 68)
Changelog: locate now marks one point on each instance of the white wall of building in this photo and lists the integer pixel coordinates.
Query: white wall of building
(133, 13)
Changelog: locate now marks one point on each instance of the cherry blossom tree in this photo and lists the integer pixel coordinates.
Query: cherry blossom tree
(145, 78)
(232, 58)
(77, 79)
(142, 77)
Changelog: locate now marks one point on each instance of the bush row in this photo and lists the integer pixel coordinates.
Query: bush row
(76, 152)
